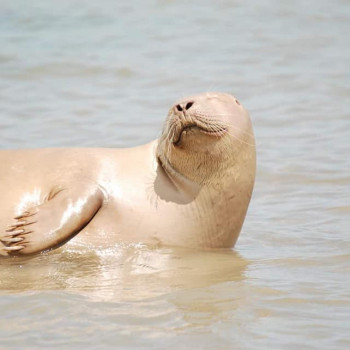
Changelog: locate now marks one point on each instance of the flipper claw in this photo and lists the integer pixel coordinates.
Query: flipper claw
(13, 233)
(12, 239)
(19, 223)
(13, 248)
(24, 215)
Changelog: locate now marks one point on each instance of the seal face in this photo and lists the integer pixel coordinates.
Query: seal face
(190, 188)
(204, 134)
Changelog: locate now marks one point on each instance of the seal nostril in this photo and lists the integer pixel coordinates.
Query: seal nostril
(189, 105)
(237, 102)
(179, 108)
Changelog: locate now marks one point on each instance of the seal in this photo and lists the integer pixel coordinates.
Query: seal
(191, 187)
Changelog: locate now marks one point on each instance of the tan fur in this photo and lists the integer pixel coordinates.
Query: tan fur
(190, 188)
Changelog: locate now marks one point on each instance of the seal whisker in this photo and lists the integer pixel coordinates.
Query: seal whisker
(226, 125)
(170, 137)
(241, 140)
(237, 138)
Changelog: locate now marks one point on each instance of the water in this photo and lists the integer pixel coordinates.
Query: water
(103, 74)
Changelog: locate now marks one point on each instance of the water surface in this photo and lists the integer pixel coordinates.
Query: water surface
(104, 74)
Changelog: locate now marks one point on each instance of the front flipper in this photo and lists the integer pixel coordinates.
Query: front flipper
(51, 224)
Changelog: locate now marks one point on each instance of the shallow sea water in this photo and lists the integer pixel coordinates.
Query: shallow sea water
(104, 74)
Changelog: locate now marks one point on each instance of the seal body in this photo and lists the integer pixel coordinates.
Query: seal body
(190, 188)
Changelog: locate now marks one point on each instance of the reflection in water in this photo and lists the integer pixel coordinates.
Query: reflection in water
(129, 289)
(123, 273)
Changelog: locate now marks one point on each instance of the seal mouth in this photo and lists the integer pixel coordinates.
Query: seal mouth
(208, 130)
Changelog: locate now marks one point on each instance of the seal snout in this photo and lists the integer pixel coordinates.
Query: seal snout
(209, 114)
(183, 106)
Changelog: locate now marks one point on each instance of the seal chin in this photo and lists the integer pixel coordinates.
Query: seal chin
(200, 126)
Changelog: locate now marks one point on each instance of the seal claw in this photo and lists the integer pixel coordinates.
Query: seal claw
(13, 248)
(12, 239)
(18, 224)
(24, 215)
(13, 233)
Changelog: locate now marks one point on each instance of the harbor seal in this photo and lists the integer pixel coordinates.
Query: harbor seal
(191, 187)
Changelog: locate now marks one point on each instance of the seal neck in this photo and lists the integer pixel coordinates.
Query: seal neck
(179, 182)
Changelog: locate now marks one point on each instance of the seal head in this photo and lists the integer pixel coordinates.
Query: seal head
(204, 135)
